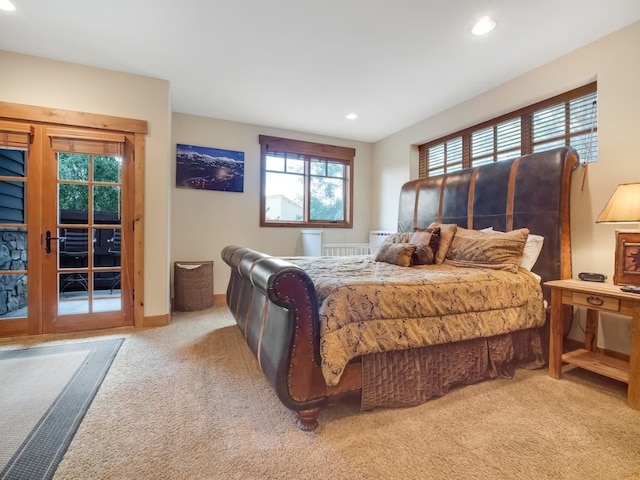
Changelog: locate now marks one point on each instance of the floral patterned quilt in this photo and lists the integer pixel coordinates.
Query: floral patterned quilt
(368, 307)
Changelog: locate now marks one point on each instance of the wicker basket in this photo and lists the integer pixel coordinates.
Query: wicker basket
(192, 285)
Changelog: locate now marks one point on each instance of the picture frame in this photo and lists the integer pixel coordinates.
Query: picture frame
(627, 266)
(209, 168)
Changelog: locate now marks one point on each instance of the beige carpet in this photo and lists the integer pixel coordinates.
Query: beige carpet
(188, 401)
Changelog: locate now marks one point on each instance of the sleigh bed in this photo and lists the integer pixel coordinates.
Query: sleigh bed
(398, 332)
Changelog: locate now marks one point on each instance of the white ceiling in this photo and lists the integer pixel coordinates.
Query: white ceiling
(304, 64)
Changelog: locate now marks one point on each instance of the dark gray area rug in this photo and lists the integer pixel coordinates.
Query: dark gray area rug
(38, 456)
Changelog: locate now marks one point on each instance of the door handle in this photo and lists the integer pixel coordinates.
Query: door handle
(48, 239)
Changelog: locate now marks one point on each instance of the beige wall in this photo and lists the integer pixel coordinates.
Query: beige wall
(203, 222)
(36, 81)
(615, 62)
(184, 224)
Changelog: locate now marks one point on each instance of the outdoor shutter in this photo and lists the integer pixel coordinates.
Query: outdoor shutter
(73, 140)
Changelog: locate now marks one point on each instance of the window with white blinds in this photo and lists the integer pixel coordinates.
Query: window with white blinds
(567, 119)
(445, 157)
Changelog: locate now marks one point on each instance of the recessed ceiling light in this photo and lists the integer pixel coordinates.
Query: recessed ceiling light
(352, 116)
(484, 26)
(7, 5)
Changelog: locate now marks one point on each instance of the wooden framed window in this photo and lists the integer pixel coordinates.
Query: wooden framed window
(567, 119)
(305, 183)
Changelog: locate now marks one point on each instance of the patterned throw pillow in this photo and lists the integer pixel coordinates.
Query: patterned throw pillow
(396, 253)
(500, 251)
(423, 255)
(447, 232)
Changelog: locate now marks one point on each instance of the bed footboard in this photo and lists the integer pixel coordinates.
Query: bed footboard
(275, 306)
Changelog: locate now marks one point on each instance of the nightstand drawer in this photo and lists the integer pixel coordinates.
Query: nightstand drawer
(591, 300)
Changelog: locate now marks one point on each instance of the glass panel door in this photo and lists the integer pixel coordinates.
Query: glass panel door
(13, 241)
(87, 240)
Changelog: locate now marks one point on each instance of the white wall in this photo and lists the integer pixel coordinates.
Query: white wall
(615, 62)
(203, 222)
(36, 81)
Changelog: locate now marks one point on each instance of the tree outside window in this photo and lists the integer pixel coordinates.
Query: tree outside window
(80, 172)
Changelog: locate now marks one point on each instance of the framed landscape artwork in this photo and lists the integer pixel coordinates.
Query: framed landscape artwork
(208, 168)
(627, 271)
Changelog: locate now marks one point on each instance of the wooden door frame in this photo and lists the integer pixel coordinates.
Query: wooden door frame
(138, 129)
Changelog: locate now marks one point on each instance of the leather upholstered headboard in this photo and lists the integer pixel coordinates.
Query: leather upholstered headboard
(531, 191)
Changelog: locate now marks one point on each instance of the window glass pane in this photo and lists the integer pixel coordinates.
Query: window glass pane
(295, 164)
(318, 167)
(508, 155)
(12, 162)
(73, 166)
(275, 162)
(12, 202)
(582, 113)
(73, 197)
(436, 159)
(454, 151)
(284, 197)
(445, 157)
(549, 123)
(73, 298)
(13, 249)
(107, 169)
(106, 204)
(481, 161)
(336, 170)
(482, 142)
(548, 145)
(509, 134)
(581, 144)
(13, 297)
(327, 199)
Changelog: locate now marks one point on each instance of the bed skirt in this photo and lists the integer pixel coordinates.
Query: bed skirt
(410, 377)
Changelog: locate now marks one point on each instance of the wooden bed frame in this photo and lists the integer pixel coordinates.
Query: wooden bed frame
(276, 307)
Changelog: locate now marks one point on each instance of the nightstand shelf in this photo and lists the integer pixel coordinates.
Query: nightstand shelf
(596, 298)
(598, 363)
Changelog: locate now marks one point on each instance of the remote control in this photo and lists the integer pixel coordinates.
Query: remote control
(631, 288)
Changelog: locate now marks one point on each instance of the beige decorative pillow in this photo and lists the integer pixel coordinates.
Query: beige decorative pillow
(401, 237)
(396, 253)
(532, 248)
(447, 232)
(500, 251)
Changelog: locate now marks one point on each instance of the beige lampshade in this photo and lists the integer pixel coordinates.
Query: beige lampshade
(623, 206)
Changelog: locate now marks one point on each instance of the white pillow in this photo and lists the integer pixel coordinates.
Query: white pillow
(532, 248)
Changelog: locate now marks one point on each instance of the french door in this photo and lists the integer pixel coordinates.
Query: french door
(66, 229)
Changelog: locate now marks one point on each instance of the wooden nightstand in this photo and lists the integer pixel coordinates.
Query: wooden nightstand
(595, 297)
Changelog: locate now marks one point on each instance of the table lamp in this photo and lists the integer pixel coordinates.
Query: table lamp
(624, 207)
